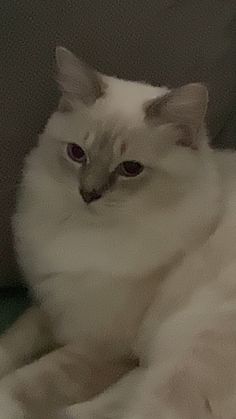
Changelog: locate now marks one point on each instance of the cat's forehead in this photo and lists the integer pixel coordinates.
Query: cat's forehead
(107, 139)
(108, 123)
(98, 139)
(125, 100)
(118, 114)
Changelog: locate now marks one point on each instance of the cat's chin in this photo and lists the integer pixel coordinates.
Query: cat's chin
(98, 210)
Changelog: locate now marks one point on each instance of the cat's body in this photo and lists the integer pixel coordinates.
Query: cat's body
(111, 251)
(128, 268)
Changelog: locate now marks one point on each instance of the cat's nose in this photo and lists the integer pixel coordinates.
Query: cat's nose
(90, 196)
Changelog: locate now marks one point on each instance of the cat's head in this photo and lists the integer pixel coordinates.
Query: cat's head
(115, 140)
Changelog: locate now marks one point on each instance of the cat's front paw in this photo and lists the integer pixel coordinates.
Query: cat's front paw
(10, 408)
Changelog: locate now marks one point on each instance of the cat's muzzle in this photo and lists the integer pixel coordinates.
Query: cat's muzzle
(90, 196)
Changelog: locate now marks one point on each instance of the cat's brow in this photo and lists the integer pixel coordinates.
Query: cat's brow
(104, 141)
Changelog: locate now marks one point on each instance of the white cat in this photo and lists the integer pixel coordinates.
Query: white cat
(126, 231)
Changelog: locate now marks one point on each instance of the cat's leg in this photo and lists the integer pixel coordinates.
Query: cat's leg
(28, 336)
(60, 378)
(192, 373)
(110, 404)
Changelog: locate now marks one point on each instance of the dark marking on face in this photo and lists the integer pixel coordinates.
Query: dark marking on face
(208, 406)
(95, 194)
(123, 148)
(90, 196)
(95, 176)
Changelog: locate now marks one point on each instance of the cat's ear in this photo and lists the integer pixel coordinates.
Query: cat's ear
(77, 80)
(185, 106)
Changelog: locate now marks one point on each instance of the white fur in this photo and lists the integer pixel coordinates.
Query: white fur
(10, 409)
(6, 363)
(113, 247)
(126, 99)
(147, 277)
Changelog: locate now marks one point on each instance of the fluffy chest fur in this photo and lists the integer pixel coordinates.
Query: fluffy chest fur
(87, 271)
(96, 275)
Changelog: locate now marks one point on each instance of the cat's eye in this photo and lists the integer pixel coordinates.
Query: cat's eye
(130, 168)
(76, 153)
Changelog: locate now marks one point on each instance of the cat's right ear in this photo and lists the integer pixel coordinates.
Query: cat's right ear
(185, 107)
(77, 80)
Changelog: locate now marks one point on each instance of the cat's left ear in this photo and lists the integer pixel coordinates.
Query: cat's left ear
(77, 80)
(185, 106)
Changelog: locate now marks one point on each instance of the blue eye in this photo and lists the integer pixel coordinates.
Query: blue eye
(130, 168)
(76, 153)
